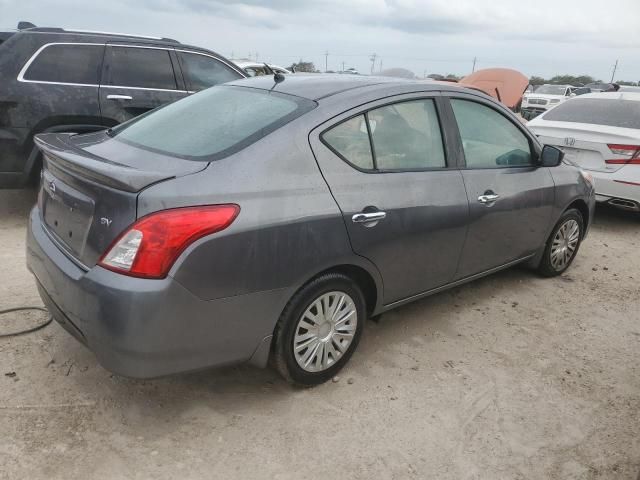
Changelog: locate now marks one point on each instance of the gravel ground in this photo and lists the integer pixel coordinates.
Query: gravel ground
(510, 377)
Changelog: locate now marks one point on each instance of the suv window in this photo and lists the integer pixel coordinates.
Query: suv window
(202, 71)
(489, 139)
(67, 64)
(406, 136)
(350, 141)
(139, 67)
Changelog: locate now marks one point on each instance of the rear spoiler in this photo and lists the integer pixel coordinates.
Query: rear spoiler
(64, 155)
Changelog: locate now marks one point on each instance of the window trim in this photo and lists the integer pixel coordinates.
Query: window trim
(185, 76)
(534, 152)
(33, 57)
(173, 67)
(433, 96)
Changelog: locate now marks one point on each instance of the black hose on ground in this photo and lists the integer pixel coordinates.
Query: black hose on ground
(28, 330)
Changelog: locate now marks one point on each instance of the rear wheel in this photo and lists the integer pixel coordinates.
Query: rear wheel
(319, 330)
(563, 244)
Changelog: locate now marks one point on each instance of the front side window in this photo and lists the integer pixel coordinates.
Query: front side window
(139, 67)
(78, 64)
(202, 71)
(405, 136)
(489, 139)
(213, 123)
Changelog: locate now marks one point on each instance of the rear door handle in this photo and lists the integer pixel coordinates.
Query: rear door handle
(488, 198)
(368, 217)
(119, 97)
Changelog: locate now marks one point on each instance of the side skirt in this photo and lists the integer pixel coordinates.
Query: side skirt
(404, 301)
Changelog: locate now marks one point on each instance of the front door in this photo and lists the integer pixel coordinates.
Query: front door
(510, 198)
(137, 79)
(403, 203)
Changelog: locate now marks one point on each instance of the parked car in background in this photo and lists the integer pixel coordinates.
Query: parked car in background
(599, 132)
(53, 80)
(255, 69)
(259, 220)
(543, 98)
(628, 88)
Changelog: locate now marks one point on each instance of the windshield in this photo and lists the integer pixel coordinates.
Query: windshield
(598, 111)
(551, 90)
(214, 123)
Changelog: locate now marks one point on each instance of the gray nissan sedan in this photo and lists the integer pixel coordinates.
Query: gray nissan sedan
(266, 220)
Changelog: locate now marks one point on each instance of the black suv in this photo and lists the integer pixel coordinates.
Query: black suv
(54, 80)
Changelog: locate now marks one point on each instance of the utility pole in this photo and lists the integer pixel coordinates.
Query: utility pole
(474, 64)
(615, 67)
(373, 61)
(256, 57)
(380, 65)
(343, 66)
(326, 60)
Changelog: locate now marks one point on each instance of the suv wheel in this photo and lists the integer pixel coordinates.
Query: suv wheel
(563, 244)
(319, 330)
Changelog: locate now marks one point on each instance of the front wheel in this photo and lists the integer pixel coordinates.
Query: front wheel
(563, 244)
(319, 330)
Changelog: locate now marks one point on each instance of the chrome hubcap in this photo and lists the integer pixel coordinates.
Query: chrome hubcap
(325, 331)
(564, 244)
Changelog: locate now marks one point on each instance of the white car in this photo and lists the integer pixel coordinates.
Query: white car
(255, 69)
(543, 98)
(599, 132)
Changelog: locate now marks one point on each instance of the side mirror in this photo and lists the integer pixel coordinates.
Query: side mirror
(551, 156)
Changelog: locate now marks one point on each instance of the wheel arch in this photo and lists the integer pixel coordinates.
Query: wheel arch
(582, 207)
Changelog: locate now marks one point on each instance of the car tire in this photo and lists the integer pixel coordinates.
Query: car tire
(563, 244)
(334, 309)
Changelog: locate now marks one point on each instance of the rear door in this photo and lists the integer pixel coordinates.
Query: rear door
(402, 199)
(137, 79)
(510, 198)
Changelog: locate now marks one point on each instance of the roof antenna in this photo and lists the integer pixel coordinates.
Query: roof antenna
(25, 25)
(277, 76)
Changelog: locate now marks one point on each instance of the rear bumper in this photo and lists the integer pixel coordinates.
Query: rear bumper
(148, 328)
(623, 184)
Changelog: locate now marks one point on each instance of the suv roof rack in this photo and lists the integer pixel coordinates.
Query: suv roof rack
(32, 28)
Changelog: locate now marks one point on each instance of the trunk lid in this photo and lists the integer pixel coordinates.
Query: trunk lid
(90, 185)
(587, 145)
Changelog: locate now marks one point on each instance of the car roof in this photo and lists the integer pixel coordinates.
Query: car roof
(634, 96)
(316, 86)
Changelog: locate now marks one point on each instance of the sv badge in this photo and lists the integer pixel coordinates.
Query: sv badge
(106, 221)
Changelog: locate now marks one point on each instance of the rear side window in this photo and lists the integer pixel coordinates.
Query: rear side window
(139, 67)
(488, 138)
(213, 123)
(67, 64)
(351, 141)
(405, 136)
(202, 71)
(598, 111)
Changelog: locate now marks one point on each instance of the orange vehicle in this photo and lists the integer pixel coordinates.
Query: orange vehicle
(504, 84)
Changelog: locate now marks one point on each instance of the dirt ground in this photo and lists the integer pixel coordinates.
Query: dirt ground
(510, 377)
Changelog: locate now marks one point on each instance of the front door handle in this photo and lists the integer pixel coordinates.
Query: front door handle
(488, 198)
(119, 97)
(368, 217)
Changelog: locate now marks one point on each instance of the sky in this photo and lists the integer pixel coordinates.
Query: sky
(537, 37)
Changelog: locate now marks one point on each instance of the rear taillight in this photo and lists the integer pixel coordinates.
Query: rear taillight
(631, 154)
(150, 246)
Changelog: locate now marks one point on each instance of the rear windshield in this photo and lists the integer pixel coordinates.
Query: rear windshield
(214, 123)
(598, 111)
(551, 90)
